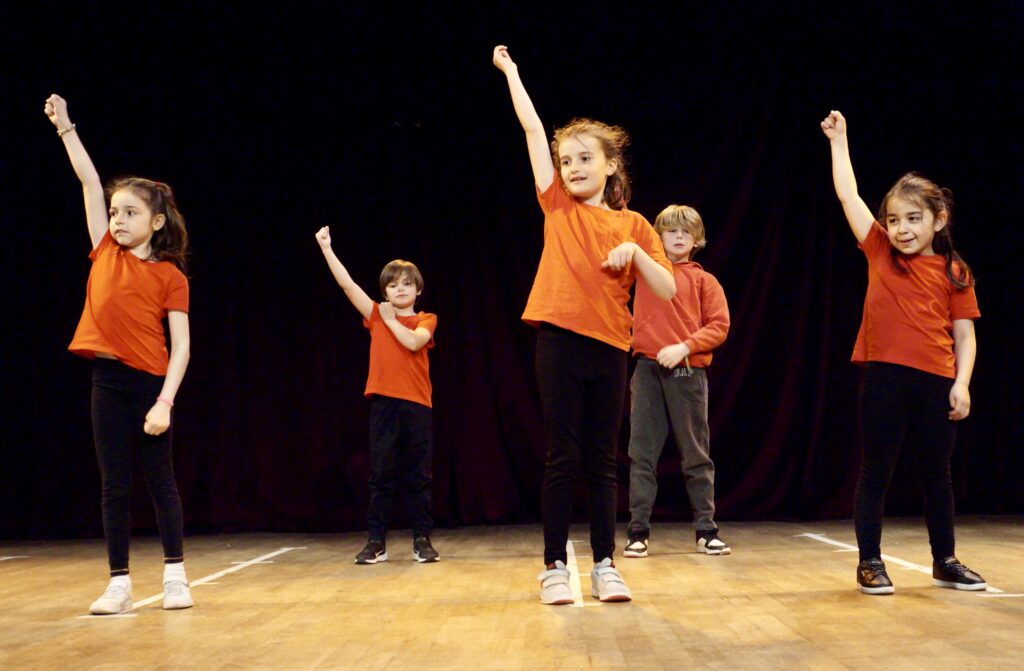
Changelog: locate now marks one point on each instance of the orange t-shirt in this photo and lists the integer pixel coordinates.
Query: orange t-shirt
(395, 371)
(908, 317)
(697, 315)
(126, 300)
(571, 289)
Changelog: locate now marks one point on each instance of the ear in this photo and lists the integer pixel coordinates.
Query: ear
(613, 166)
(159, 221)
(941, 220)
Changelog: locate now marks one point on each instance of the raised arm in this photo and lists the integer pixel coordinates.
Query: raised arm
(857, 213)
(355, 293)
(536, 138)
(56, 108)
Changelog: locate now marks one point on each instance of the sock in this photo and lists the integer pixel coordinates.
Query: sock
(175, 571)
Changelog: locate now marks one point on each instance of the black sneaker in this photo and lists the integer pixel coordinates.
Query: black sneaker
(709, 543)
(374, 552)
(636, 546)
(423, 551)
(872, 578)
(949, 572)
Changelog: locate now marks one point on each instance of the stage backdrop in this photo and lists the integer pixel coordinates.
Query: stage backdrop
(394, 129)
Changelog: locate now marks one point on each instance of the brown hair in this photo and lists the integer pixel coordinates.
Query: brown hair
(686, 218)
(926, 193)
(396, 270)
(169, 242)
(614, 140)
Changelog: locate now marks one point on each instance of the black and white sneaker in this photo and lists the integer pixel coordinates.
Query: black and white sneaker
(949, 572)
(374, 552)
(423, 551)
(872, 578)
(709, 543)
(636, 546)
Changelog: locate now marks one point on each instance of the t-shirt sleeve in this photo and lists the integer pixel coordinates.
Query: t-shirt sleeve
(428, 321)
(374, 315)
(554, 197)
(963, 304)
(105, 242)
(650, 242)
(875, 242)
(177, 293)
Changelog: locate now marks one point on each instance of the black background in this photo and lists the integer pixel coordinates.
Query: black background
(391, 125)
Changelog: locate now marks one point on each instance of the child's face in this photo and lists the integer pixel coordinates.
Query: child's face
(585, 168)
(132, 223)
(401, 292)
(912, 226)
(678, 244)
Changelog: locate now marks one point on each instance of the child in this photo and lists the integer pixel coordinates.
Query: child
(136, 280)
(593, 249)
(917, 342)
(673, 343)
(401, 433)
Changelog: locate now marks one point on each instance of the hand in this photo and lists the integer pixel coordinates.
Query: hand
(56, 108)
(158, 419)
(834, 125)
(387, 311)
(502, 60)
(620, 257)
(323, 236)
(959, 401)
(671, 355)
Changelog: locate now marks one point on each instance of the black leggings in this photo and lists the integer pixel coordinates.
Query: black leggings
(121, 397)
(582, 385)
(896, 401)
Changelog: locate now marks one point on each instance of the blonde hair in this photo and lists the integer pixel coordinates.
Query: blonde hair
(613, 140)
(686, 218)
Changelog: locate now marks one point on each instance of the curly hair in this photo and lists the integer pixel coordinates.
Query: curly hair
(614, 140)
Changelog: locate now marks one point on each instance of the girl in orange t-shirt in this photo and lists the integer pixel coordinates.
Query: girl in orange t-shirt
(593, 250)
(917, 343)
(136, 280)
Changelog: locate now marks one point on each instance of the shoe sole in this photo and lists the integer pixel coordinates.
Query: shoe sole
(178, 607)
(704, 550)
(425, 560)
(874, 591)
(634, 554)
(559, 602)
(125, 609)
(612, 598)
(375, 560)
(977, 587)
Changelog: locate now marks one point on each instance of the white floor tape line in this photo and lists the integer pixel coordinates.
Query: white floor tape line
(574, 575)
(238, 566)
(889, 559)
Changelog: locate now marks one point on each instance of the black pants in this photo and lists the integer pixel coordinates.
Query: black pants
(582, 385)
(401, 452)
(897, 401)
(121, 397)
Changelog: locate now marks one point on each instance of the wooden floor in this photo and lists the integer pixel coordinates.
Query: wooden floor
(782, 600)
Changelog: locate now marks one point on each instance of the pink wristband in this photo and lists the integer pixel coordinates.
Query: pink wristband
(165, 400)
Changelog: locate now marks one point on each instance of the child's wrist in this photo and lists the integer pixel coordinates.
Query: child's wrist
(166, 400)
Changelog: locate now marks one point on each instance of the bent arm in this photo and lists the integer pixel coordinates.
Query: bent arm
(411, 339)
(658, 277)
(714, 317)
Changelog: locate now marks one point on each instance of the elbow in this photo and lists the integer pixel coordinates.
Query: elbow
(666, 289)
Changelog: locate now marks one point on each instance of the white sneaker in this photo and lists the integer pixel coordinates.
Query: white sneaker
(177, 595)
(554, 586)
(116, 599)
(709, 543)
(606, 583)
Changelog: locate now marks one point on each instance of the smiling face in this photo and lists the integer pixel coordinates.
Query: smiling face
(911, 226)
(584, 167)
(132, 222)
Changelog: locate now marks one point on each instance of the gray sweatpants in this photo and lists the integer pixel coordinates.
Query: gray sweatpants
(664, 399)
